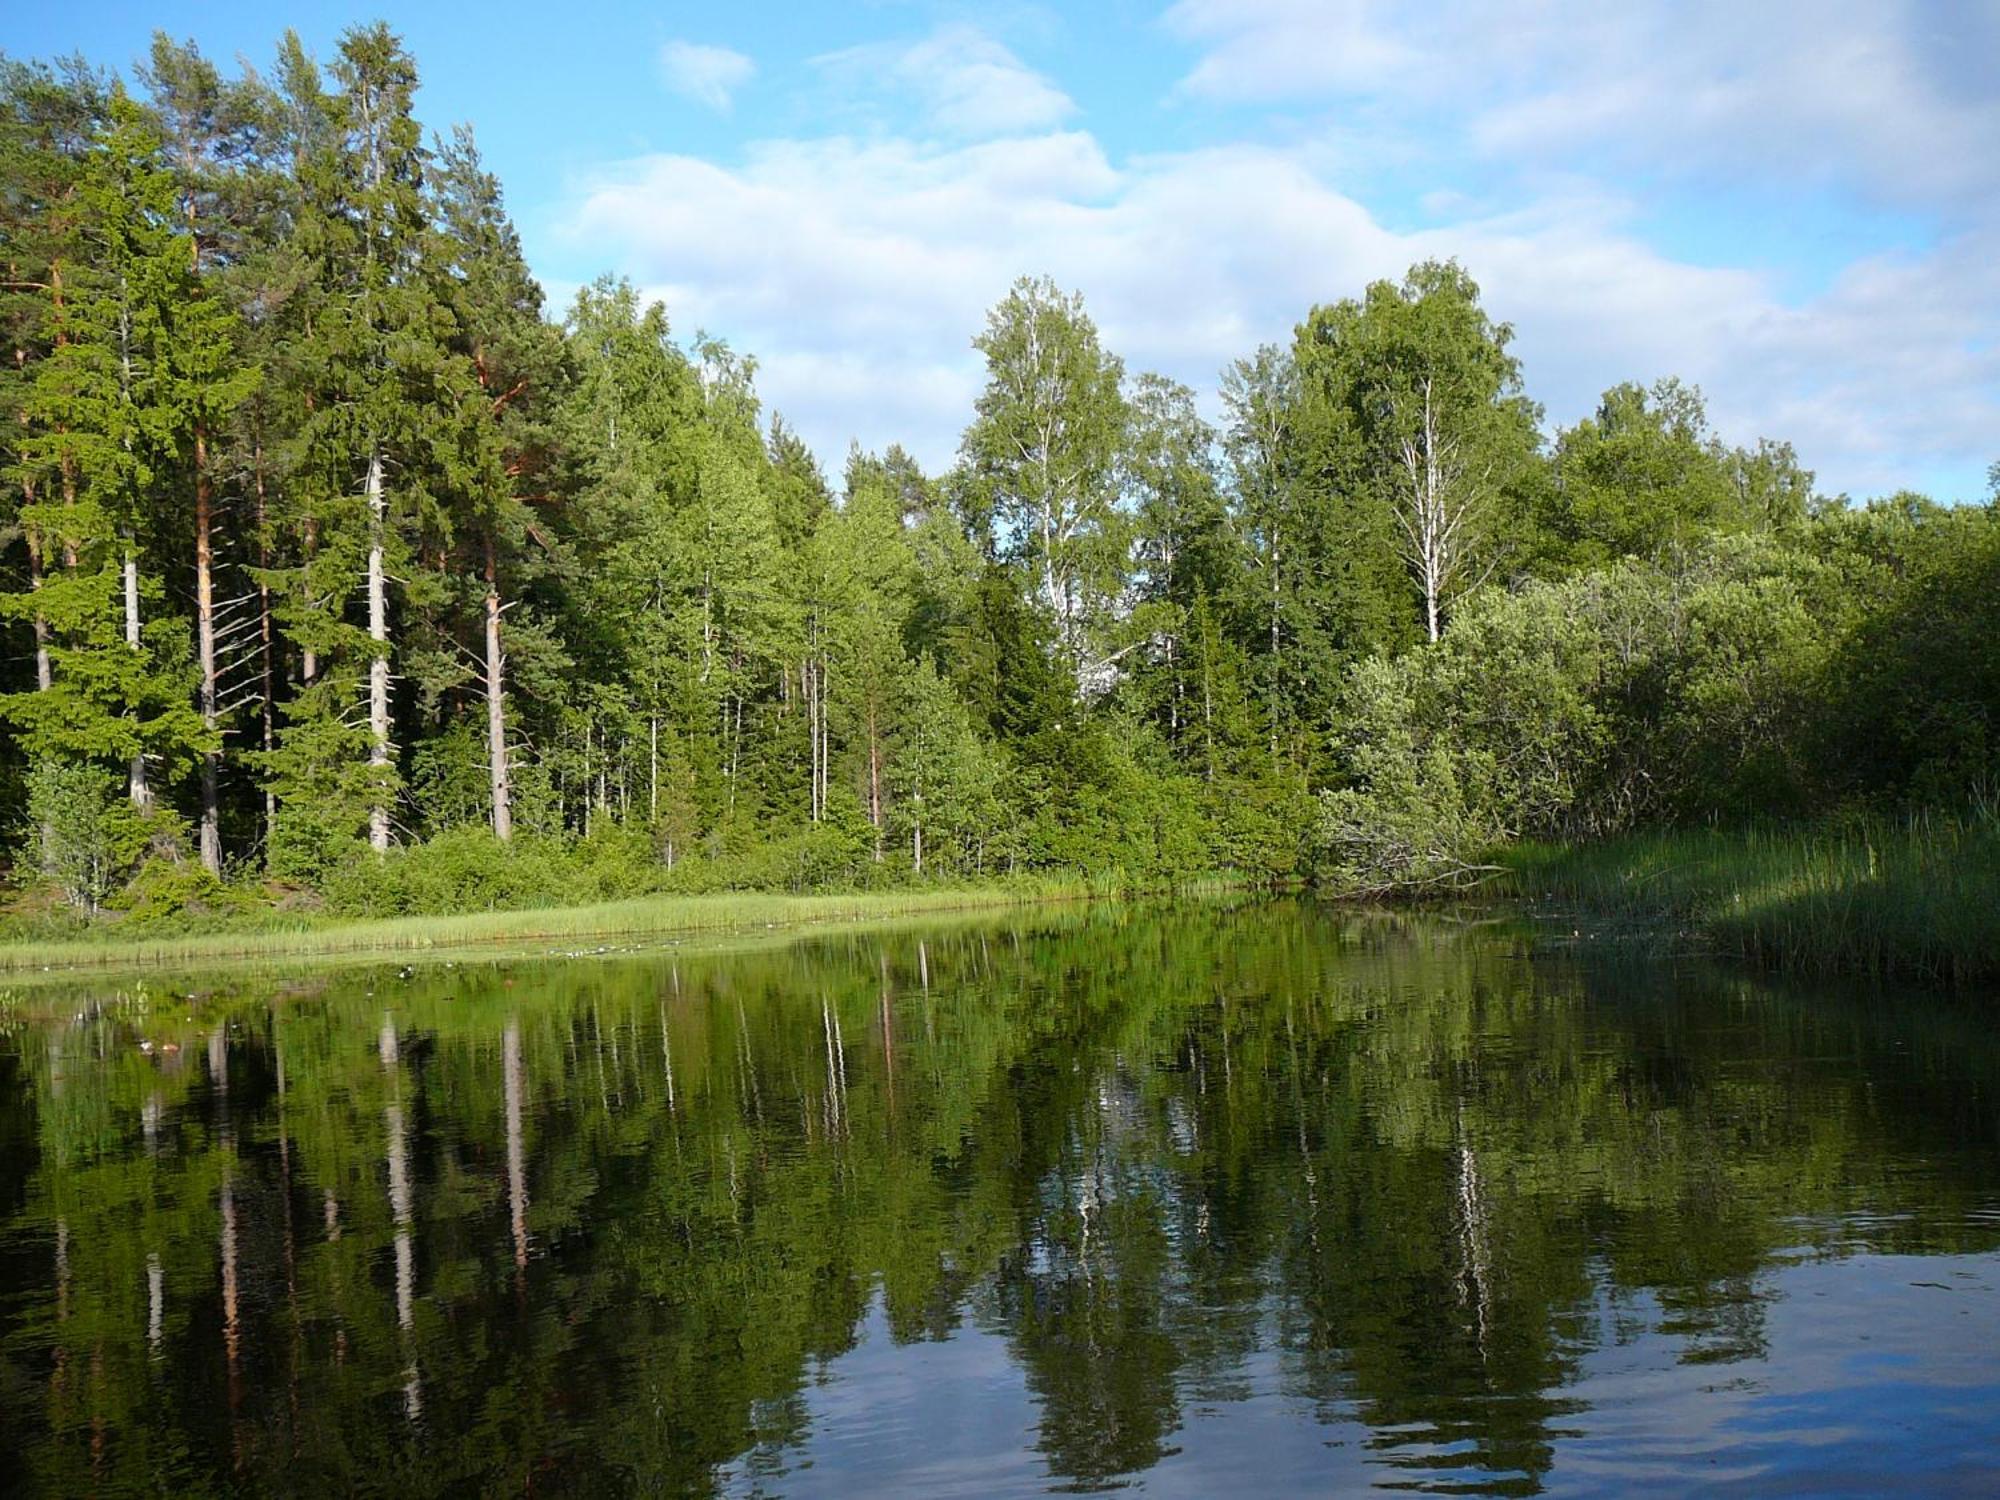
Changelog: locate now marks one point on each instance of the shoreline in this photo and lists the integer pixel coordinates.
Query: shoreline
(506, 933)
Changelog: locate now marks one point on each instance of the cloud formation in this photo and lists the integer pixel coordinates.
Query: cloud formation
(858, 266)
(708, 75)
(965, 82)
(1894, 97)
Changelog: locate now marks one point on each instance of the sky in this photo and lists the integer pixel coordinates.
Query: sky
(1793, 203)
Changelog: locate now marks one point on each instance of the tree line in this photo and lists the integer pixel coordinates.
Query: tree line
(322, 542)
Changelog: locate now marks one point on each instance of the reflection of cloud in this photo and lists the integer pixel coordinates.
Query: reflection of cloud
(707, 75)
(858, 272)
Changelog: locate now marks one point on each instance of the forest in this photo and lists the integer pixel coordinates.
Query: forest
(337, 574)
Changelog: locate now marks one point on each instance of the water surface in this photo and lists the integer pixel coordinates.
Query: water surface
(1190, 1200)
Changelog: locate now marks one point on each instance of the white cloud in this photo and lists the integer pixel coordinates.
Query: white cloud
(858, 271)
(708, 75)
(1885, 96)
(965, 82)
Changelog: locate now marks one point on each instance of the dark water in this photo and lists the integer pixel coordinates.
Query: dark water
(1188, 1200)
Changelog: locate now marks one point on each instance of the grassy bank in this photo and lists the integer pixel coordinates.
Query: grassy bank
(1917, 899)
(644, 916)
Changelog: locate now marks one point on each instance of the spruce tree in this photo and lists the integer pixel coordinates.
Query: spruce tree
(376, 376)
(103, 418)
(506, 444)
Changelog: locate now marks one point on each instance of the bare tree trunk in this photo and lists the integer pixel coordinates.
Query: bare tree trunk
(875, 778)
(1277, 657)
(43, 679)
(141, 793)
(809, 690)
(917, 836)
(496, 703)
(204, 618)
(378, 663)
(309, 658)
(266, 641)
(1440, 512)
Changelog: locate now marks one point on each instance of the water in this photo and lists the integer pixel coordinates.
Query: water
(1189, 1199)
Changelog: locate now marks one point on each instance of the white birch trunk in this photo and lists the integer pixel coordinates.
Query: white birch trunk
(496, 706)
(141, 793)
(378, 662)
(204, 618)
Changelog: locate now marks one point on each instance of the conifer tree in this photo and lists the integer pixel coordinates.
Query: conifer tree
(517, 360)
(209, 130)
(377, 378)
(103, 417)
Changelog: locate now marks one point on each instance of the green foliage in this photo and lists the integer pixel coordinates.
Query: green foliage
(1639, 693)
(89, 837)
(603, 601)
(1916, 897)
(1645, 474)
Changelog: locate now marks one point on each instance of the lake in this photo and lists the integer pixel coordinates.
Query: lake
(1186, 1198)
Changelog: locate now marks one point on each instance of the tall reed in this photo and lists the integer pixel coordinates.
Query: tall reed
(1916, 896)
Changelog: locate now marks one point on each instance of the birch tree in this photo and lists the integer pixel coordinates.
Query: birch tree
(1424, 380)
(1043, 447)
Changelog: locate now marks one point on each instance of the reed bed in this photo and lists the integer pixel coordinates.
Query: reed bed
(1916, 897)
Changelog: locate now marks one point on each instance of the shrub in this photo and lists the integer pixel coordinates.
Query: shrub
(91, 837)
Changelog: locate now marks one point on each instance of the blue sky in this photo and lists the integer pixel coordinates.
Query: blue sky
(1795, 205)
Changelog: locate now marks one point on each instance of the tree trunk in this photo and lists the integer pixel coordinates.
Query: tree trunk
(204, 616)
(309, 658)
(378, 663)
(808, 690)
(917, 837)
(141, 793)
(266, 641)
(43, 678)
(875, 779)
(496, 703)
(1277, 657)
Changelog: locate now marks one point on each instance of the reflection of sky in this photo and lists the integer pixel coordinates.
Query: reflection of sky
(1879, 1375)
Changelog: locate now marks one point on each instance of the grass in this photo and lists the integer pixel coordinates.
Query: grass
(1917, 898)
(663, 915)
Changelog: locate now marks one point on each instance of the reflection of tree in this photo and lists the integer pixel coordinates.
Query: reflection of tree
(582, 1226)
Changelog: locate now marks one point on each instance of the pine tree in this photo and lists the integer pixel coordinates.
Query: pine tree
(210, 129)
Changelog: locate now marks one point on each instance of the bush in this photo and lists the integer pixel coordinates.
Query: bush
(90, 835)
(169, 887)
(1639, 694)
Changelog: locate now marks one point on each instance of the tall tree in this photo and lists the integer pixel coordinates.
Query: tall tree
(1043, 449)
(1433, 398)
(507, 450)
(210, 130)
(105, 410)
(380, 394)
(1184, 551)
